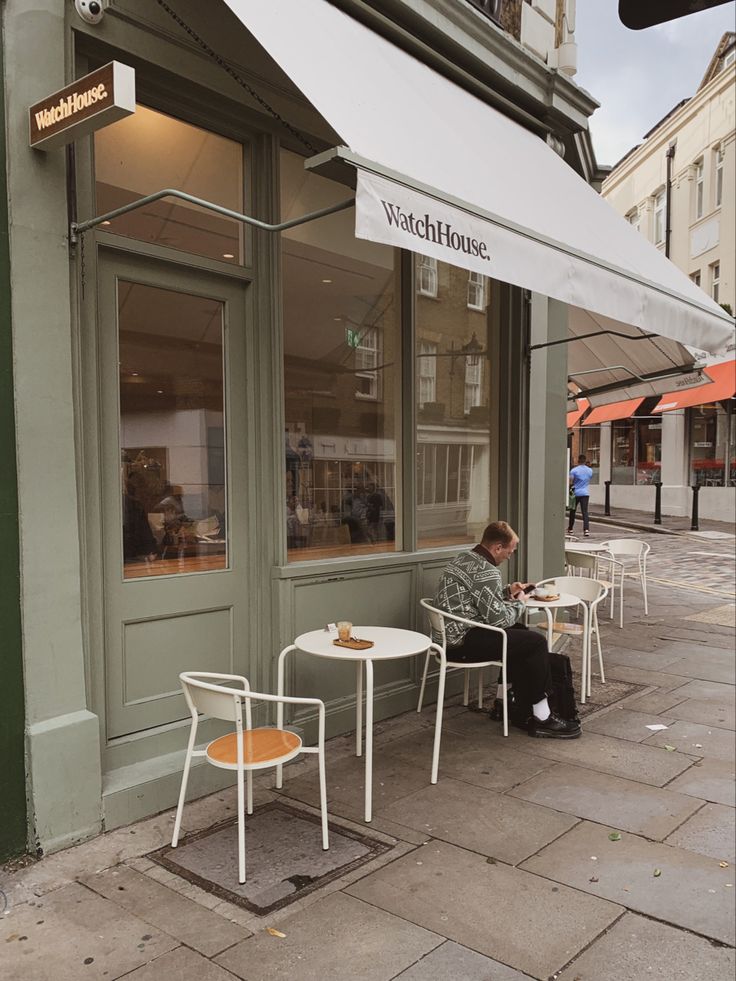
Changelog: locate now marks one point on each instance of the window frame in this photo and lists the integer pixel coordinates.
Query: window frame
(426, 359)
(476, 282)
(372, 375)
(699, 189)
(718, 176)
(659, 218)
(473, 387)
(715, 280)
(427, 264)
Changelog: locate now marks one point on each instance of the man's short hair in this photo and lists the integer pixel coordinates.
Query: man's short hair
(582, 458)
(498, 533)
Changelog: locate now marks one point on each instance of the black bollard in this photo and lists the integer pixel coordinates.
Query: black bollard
(694, 520)
(658, 503)
(608, 498)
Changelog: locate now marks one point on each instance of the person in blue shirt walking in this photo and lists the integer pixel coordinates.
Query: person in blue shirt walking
(580, 477)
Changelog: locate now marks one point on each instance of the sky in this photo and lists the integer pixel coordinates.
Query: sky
(638, 76)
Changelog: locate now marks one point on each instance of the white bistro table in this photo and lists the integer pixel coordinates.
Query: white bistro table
(565, 600)
(389, 643)
(587, 547)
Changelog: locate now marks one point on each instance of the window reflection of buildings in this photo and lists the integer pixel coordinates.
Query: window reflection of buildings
(712, 432)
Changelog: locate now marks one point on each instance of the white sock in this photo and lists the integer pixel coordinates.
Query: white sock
(541, 710)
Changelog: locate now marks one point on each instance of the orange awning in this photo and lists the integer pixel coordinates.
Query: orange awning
(573, 417)
(723, 386)
(614, 410)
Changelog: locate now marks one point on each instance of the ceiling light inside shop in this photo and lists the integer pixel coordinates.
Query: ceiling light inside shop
(106, 223)
(326, 280)
(228, 255)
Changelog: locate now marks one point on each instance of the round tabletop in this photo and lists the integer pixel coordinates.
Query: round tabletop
(566, 599)
(586, 546)
(388, 643)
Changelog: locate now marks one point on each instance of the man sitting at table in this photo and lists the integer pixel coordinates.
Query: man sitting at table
(471, 587)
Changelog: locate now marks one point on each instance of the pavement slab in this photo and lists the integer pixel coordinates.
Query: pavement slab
(649, 660)
(639, 676)
(706, 691)
(654, 701)
(507, 829)
(167, 910)
(711, 780)
(722, 715)
(181, 964)
(628, 805)
(691, 891)
(456, 962)
(637, 948)
(392, 780)
(634, 761)
(337, 938)
(695, 739)
(625, 724)
(705, 667)
(495, 765)
(74, 933)
(711, 832)
(480, 905)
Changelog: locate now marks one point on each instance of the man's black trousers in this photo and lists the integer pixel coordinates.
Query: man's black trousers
(583, 502)
(527, 659)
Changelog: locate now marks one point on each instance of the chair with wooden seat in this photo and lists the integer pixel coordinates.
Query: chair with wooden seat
(246, 749)
(438, 650)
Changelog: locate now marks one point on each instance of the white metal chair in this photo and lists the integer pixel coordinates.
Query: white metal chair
(630, 559)
(438, 649)
(591, 593)
(244, 750)
(589, 565)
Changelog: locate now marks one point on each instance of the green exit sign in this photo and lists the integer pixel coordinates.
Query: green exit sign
(352, 337)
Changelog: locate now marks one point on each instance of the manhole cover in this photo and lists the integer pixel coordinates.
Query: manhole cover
(284, 859)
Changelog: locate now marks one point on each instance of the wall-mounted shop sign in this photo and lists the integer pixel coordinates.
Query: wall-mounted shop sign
(98, 99)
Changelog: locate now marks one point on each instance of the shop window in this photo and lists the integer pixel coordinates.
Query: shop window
(715, 281)
(713, 445)
(587, 440)
(426, 275)
(659, 202)
(699, 190)
(427, 372)
(342, 369)
(453, 428)
(150, 151)
(172, 432)
(719, 155)
(636, 450)
(476, 291)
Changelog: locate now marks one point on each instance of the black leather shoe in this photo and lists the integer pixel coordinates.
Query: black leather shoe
(554, 728)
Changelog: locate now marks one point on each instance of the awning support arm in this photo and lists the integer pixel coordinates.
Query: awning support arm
(613, 386)
(79, 228)
(594, 333)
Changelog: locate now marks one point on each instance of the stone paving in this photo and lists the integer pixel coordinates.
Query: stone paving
(609, 858)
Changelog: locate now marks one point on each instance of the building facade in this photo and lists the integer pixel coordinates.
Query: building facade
(226, 436)
(693, 152)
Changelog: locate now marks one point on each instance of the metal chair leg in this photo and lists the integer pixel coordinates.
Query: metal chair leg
(424, 682)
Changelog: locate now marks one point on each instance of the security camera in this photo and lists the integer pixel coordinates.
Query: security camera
(90, 11)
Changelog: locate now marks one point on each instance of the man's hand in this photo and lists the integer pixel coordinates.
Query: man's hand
(516, 590)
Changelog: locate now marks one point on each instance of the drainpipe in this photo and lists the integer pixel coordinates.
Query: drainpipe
(670, 155)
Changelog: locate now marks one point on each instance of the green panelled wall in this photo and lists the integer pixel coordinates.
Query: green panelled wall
(12, 770)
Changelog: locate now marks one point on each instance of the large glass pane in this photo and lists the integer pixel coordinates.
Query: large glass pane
(622, 451)
(172, 431)
(711, 446)
(149, 151)
(587, 440)
(453, 396)
(341, 372)
(649, 450)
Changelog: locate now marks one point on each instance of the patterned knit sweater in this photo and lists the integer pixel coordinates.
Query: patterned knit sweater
(471, 587)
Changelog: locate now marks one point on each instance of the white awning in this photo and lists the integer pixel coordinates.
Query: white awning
(442, 173)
